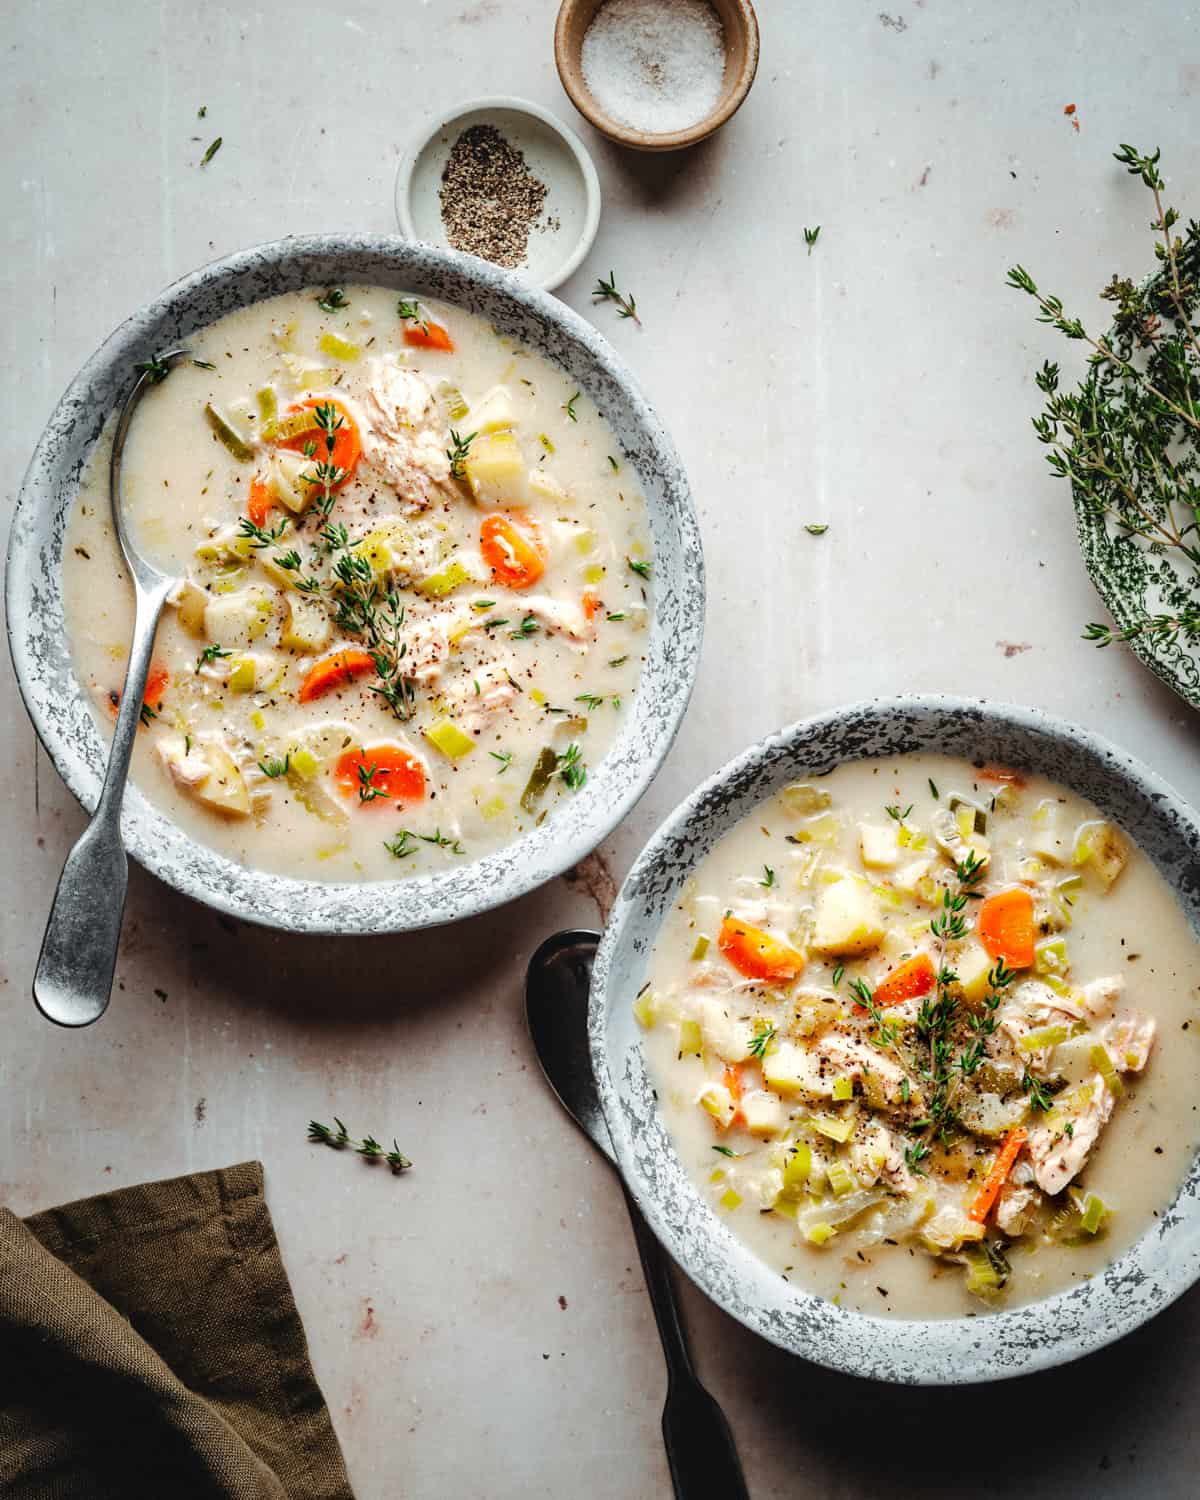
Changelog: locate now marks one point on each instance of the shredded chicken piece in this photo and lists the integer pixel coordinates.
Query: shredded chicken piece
(841, 1056)
(1059, 1157)
(481, 695)
(1099, 996)
(729, 1036)
(1014, 1207)
(562, 617)
(1129, 1038)
(188, 768)
(404, 435)
(878, 1154)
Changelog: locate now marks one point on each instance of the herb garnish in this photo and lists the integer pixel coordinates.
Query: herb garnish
(273, 769)
(606, 291)
(459, 453)
(640, 566)
(155, 369)
(811, 236)
(1127, 437)
(411, 312)
(504, 757)
(569, 407)
(761, 1040)
(367, 790)
(768, 879)
(616, 467)
(893, 811)
(210, 654)
(257, 536)
(368, 1147)
(725, 1151)
(817, 528)
(571, 768)
(333, 300)
(527, 627)
(211, 152)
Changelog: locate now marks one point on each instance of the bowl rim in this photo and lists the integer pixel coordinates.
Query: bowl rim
(1146, 1278)
(438, 121)
(570, 74)
(57, 703)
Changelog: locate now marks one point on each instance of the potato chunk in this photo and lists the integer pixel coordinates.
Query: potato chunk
(1101, 849)
(495, 469)
(240, 618)
(848, 921)
(306, 625)
(206, 771)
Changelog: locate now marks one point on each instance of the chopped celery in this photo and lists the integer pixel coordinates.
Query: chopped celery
(243, 673)
(689, 1039)
(832, 1127)
(258, 721)
(539, 778)
(1104, 1065)
(716, 1099)
(841, 1178)
(546, 442)
(1050, 957)
(801, 797)
(717, 1174)
(798, 1167)
(984, 1279)
(298, 422)
(700, 948)
(304, 763)
(819, 1234)
(786, 1207)
(446, 736)
(1093, 1215)
(595, 573)
(843, 1088)
(240, 446)
(819, 830)
(585, 541)
(456, 406)
(645, 1009)
(446, 580)
(730, 1199)
(268, 411)
(1044, 1036)
(338, 348)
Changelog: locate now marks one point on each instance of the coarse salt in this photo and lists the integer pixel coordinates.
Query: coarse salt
(655, 65)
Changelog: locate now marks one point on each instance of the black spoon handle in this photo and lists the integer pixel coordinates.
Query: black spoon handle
(699, 1444)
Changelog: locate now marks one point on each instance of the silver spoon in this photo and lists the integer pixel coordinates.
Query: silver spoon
(79, 951)
(700, 1448)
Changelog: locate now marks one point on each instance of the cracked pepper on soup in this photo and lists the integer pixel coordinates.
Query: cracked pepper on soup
(925, 1035)
(414, 586)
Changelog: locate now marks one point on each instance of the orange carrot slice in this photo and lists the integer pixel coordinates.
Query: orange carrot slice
(908, 981)
(394, 773)
(157, 681)
(757, 954)
(428, 336)
(1006, 927)
(996, 1178)
(512, 547)
(334, 672)
(591, 604)
(259, 503)
(347, 444)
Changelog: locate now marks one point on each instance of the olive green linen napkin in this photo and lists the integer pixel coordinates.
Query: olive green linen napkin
(149, 1345)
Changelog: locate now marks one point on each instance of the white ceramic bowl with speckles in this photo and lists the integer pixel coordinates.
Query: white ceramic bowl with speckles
(63, 716)
(1159, 1267)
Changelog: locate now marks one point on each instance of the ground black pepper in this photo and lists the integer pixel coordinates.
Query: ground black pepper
(490, 200)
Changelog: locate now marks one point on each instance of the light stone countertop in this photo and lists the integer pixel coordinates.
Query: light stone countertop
(481, 1326)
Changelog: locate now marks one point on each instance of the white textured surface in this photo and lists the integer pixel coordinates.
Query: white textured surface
(883, 385)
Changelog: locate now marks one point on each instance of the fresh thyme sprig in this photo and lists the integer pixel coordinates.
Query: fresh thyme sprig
(811, 236)
(1128, 437)
(761, 1040)
(211, 152)
(410, 312)
(333, 300)
(569, 407)
(606, 291)
(368, 1148)
(571, 768)
(210, 654)
(154, 369)
(274, 769)
(459, 452)
(259, 536)
(885, 1031)
(325, 473)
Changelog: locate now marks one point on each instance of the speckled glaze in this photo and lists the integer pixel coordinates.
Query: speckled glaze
(1156, 1270)
(61, 713)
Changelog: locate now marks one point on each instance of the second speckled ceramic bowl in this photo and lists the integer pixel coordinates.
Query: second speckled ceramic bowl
(62, 714)
(1148, 1277)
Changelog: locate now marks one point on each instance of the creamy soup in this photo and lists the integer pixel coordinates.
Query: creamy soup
(926, 1036)
(414, 586)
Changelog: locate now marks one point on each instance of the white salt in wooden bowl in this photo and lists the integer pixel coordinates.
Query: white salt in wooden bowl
(740, 27)
(553, 152)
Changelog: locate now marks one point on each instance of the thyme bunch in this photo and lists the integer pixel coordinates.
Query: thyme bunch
(339, 1139)
(1128, 437)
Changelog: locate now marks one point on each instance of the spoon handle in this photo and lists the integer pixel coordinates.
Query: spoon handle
(700, 1447)
(79, 950)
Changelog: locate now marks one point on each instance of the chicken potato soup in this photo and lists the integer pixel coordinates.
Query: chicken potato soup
(925, 1035)
(414, 586)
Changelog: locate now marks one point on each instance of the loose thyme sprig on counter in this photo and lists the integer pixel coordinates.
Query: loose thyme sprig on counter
(606, 291)
(369, 1148)
(1128, 438)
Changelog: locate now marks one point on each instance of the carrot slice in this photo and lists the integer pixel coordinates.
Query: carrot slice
(259, 503)
(512, 547)
(591, 603)
(733, 1082)
(157, 681)
(428, 336)
(996, 1178)
(391, 770)
(757, 954)
(334, 672)
(909, 980)
(1006, 927)
(347, 444)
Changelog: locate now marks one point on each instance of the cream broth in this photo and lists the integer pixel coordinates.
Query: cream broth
(793, 1004)
(416, 586)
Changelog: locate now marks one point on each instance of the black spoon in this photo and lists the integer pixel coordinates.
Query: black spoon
(700, 1448)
